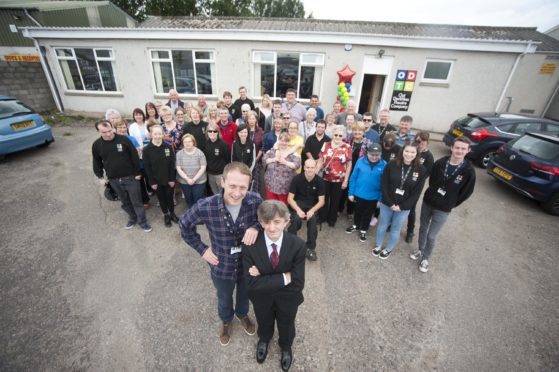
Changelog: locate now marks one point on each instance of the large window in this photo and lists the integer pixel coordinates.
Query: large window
(187, 71)
(437, 71)
(274, 73)
(87, 69)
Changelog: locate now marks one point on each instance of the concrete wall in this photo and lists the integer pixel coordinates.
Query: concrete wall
(476, 81)
(27, 82)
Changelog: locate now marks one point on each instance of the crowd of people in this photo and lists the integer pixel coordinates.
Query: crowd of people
(307, 164)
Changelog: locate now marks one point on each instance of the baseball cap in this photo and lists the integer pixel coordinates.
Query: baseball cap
(374, 149)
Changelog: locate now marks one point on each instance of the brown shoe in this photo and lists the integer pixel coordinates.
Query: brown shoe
(225, 333)
(248, 325)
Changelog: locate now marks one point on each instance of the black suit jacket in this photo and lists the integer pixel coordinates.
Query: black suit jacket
(269, 286)
(181, 103)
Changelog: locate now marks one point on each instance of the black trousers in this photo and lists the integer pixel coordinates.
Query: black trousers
(411, 219)
(312, 231)
(333, 193)
(364, 210)
(267, 316)
(345, 201)
(165, 196)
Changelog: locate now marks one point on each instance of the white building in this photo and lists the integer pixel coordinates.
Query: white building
(458, 69)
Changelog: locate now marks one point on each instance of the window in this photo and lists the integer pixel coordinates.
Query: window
(437, 71)
(87, 69)
(274, 73)
(522, 128)
(187, 71)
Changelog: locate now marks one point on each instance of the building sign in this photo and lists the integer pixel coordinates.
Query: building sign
(21, 58)
(403, 88)
(548, 68)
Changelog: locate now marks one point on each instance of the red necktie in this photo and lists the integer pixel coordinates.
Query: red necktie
(274, 257)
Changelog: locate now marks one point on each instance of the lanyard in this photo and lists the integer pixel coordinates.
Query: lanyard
(446, 175)
(403, 179)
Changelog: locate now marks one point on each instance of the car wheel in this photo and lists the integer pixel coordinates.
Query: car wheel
(552, 205)
(46, 144)
(483, 159)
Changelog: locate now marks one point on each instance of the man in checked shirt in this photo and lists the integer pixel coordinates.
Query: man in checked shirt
(231, 220)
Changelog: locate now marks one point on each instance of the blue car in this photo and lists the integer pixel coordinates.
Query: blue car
(20, 127)
(530, 165)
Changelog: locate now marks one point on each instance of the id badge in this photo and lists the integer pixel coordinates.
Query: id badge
(441, 191)
(400, 191)
(235, 250)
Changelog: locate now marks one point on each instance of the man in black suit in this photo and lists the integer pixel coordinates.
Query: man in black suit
(174, 102)
(275, 272)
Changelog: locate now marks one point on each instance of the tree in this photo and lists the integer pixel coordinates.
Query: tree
(134, 8)
(171, 7)
(278, 8)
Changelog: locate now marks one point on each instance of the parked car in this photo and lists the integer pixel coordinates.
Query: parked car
(488, 131)
(20, 127)
(530, 164)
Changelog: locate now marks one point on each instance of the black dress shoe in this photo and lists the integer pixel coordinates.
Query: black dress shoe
(174, 218)
(286, 359)
(261, 351)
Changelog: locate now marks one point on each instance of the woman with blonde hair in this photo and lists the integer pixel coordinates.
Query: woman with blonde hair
(280, 166)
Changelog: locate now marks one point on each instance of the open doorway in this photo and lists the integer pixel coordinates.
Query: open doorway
(371, 93)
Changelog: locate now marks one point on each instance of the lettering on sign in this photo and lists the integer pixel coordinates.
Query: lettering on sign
(548, 68)
(21, 58)
(400, 101)
(403, 89)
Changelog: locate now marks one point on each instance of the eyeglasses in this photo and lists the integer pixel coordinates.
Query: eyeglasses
(367, 119)
(212, 131)
(338, 135)
(286, 118)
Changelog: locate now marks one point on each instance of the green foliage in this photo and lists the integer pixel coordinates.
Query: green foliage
(139, 9)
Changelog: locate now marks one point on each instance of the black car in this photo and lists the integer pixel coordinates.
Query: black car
(488, 131)
(530, 164)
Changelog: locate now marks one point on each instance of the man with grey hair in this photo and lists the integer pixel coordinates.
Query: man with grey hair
(351, 108)
(202, 106)
(274, 268)
(174, 102)
(383, 127)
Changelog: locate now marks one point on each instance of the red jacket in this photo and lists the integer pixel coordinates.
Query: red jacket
(228, 133)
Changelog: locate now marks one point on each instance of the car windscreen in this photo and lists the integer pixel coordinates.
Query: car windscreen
(540, 148)
(472, 122)
(13, 108)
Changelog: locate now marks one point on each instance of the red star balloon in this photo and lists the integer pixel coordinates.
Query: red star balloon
(346, 74)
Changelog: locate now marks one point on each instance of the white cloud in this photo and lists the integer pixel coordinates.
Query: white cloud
(542, 14)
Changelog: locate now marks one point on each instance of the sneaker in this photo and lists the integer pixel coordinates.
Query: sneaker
(384, 254)
(416, 255)
(374, 221)
(351, 229)
(409, 236)
(130, 224)
(311, 255)
(424, 266)
(146, 227)
(362, 236)
(225, 334)
(248, 325)
(376, 250)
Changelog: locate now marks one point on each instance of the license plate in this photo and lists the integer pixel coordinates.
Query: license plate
(502, 173)
(25, 124)
(457, 132)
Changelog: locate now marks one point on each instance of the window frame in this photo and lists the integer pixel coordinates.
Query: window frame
(169, 59)
(73, 57)
(437, 81)
(275, 64)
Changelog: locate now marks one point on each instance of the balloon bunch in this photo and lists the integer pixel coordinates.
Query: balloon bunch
(343, 93)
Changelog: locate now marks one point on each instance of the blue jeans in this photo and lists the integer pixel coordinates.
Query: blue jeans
(128, 190)
(192, 193)
(390, 218)
(225, 289)
(431, 222)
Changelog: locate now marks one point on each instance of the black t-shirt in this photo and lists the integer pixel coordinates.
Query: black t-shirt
(306, 193)
(313, 145)
(238, 104)
(390, 154)
(382, 131)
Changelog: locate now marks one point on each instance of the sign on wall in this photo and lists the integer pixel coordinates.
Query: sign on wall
(548, 68)
(21, 58)
(403, 89)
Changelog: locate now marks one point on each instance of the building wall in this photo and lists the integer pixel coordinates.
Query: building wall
(530, 89)
(27, 82)
(476, 80)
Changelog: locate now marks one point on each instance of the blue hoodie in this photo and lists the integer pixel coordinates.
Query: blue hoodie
(365, 179)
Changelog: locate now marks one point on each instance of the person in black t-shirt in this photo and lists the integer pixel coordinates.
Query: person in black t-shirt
(314, 143)
(116, 157)
(240, 101)
(306, 197)
(383, 127)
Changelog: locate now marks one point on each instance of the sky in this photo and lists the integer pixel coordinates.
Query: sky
(543, 14)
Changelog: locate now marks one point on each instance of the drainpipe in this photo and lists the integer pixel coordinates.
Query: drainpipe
(512, 71)
(31, 18)
(48, 74)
